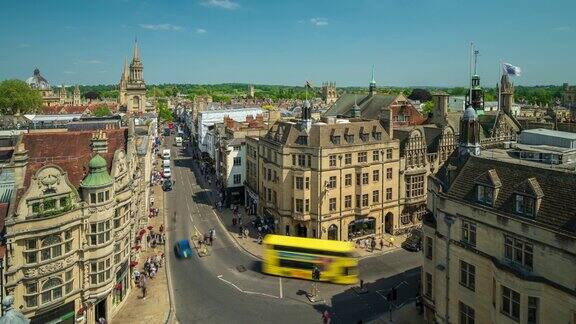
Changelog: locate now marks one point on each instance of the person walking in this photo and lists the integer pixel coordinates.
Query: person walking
(372, 245)
(326, 317)
(143, 286)
(241, 231)
(381, 244)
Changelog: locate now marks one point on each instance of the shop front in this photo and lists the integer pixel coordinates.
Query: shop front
(361, 227)
(62, 314)
(122, 284)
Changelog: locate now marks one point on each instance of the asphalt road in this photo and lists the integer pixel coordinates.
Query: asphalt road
(228, 287)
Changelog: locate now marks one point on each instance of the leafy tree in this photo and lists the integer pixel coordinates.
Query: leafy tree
(428, 107)
(17, 97)
(102, 111)
(164, 113)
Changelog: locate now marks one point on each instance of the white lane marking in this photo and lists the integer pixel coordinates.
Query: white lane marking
(246, 291)
(280, 281)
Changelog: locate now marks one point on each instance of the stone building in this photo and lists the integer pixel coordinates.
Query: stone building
(78, 201)
(325, 179)
(231, 155)
(328, 92)
(568, 96)
(499, 243)
(132, 95)
(38, 82)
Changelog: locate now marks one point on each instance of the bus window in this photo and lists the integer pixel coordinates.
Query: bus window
(296, 264)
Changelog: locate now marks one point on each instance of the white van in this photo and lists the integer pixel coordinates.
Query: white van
(166, 154)
(165, 163)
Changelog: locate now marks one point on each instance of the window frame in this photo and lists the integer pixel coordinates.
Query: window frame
(467, 275)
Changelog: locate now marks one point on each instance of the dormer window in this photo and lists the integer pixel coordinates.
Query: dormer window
(524, 205)
(377, 135)
(302, 140)
(485, 195)
(350, 138)
(364, 137)
(335, 139)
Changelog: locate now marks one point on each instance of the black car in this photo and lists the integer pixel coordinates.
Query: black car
(167, 185)
(413, 242)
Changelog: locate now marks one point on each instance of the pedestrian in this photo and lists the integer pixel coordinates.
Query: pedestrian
(381, 245)
(102, 320)
(246, 232)
(241, 231)
(373, 245)
(143, 286)
(148, 240)
(326, 317)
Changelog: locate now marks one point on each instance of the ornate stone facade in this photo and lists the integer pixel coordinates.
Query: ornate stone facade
(72, 221)
(132, 94)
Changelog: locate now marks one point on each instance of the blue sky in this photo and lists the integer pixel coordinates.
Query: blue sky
(410, 42)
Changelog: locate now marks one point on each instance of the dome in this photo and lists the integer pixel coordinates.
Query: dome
(38, 82)
(97, 162)
(98, 175)
(470, 113)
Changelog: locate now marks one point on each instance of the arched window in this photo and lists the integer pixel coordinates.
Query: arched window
(51, 290)
(51, 247)
(333, 232)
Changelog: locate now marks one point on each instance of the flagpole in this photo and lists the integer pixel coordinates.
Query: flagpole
(499, 97)
(470, 72)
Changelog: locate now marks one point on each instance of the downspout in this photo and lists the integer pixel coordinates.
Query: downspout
(449, 220)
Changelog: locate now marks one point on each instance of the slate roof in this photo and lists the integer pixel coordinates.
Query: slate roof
(431, 134)
(320, 135)
(370, 106)
(555, 187)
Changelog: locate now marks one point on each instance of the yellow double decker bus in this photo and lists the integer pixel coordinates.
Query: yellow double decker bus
(289, 256)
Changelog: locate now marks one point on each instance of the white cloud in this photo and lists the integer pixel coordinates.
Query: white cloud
(562, 28)
(160, 27)
(224, 4)
(318, 21)
(201, 31)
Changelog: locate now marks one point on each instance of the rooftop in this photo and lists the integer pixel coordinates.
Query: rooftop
(552, 133)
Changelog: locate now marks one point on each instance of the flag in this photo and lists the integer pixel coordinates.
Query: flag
(510, 69)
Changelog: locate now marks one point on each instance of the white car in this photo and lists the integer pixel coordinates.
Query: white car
(166, 173)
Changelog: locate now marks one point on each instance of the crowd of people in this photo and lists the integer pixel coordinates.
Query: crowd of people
(151, 266)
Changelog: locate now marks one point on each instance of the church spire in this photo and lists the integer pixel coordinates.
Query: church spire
(372, 87)
(136, 56)
(125, 73)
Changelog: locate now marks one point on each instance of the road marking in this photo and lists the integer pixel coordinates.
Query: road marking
(280, 281)
(246, 291)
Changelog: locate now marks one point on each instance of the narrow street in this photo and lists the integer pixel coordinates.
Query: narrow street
(228, 287)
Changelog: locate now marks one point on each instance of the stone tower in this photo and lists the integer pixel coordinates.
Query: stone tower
(440, 112)
(251, 91)
(506, 94)
(329, 92)
(123, 82)
(76, 101)
(63, 94)
(135, 85)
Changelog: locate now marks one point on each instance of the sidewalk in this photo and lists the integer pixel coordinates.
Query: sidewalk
(156, 306)
(251, 245)
(405, 315)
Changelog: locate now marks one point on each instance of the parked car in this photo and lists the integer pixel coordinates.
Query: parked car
(414, 241)
(167, 185)
(166, 173)
(182, 249)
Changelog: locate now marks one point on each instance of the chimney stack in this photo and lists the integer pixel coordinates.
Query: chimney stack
(99, 142)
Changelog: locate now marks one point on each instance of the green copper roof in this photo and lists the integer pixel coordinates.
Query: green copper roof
(98, 175)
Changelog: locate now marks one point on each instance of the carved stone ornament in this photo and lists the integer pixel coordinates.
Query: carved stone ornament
(30, 273)
(50, 268)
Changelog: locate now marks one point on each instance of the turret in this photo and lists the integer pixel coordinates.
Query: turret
(469, 133)
(76, 98)
(506, 92)
(440, 112)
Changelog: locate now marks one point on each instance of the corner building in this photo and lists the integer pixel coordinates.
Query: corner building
(325, 179)
(72, 222)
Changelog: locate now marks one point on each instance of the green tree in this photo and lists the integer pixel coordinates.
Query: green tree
(428, 107)
(164, 113)
(102, 111)
(16, 97)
